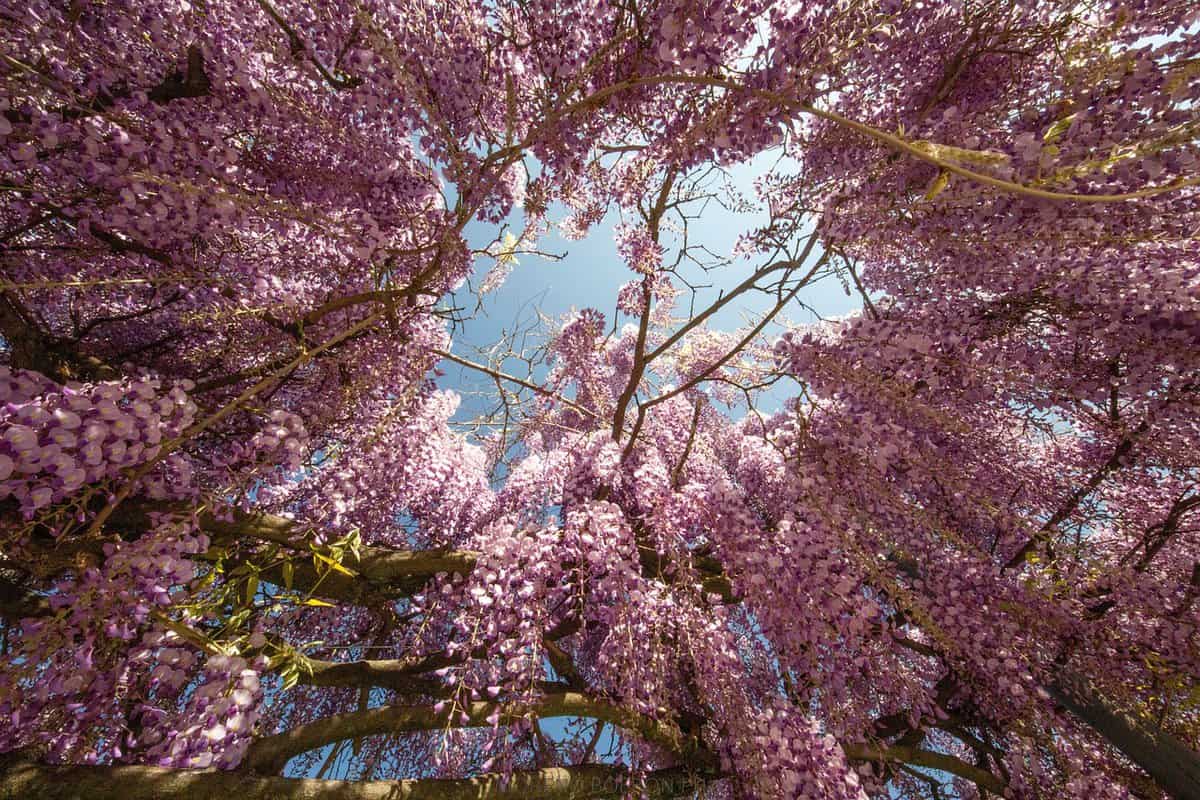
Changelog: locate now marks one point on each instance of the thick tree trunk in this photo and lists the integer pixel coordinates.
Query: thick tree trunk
(1173, 765)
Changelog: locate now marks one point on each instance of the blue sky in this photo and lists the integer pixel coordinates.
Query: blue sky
(590, 273)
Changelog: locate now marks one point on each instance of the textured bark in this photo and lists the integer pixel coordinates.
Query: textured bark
(28, 781)
(390, 573)
(18, 602)
(271, 753)
(29, 348)
(1172, 764)
(929, 759)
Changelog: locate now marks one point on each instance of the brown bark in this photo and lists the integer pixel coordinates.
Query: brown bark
(380, 572)
(18, 602)
(929, 759)
(1172, 764)
(28, 781)
(271, 753)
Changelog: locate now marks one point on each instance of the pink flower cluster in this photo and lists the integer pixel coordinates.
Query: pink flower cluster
(58, 439)
(638, 248)
(84, 666)
(216, 726)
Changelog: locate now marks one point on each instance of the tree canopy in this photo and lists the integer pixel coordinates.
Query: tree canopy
(250, 542)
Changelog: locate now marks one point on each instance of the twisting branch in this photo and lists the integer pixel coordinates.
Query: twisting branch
(271, 753)
(749, 337)
(638, 368)
(677, 472)
(305, 355)
(928, 759)
(918, 150)
(299, 46)
(1068, 508)
(1159, 534)
(394, 674)
(404, 674)
(30, 348)
(862, 290)
(746, 285)
(175, 85)
(925, 153)
(378, 571)
(503, 376)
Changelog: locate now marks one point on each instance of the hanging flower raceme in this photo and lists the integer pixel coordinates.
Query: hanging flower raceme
(72, 675)
(59, 441)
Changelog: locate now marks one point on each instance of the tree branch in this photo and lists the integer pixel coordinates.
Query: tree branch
(18, 602)
(380, 570)
(271, 754)
(32, 781)
(542, 390)
(395, 674)
(736, 291)
(929, 759)
(1172, 765)
(1068, 508)
(298, 47)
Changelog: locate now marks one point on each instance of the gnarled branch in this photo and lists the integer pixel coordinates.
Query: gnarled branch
(271, 753)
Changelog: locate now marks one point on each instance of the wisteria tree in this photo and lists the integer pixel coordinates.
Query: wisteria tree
(249, 544)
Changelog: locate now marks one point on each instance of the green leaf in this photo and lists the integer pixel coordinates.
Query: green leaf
(1055, 131)
(939, 185)
(507, 254)
(334, 564)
